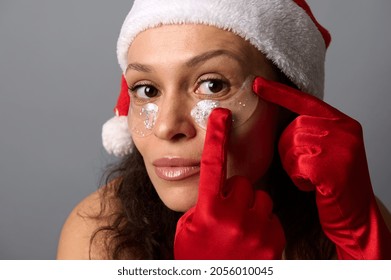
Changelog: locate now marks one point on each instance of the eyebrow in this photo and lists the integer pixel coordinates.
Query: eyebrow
(190, 63)
(211, 54)
(139, 67)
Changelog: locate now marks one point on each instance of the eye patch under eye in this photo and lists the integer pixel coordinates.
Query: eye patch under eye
(242, 104)
(202, 110)
(144, 119)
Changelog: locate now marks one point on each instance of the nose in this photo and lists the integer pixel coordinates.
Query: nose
(174, 122)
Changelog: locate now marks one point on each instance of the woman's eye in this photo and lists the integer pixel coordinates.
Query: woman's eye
(211, 86)
(144, 91)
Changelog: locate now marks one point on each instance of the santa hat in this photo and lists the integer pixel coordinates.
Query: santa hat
(284, 30)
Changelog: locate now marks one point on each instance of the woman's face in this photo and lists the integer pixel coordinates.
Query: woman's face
(174, 64)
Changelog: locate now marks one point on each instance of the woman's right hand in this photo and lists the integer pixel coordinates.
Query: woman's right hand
(231, 220)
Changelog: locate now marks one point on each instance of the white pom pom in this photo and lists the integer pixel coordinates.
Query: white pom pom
(116, 137)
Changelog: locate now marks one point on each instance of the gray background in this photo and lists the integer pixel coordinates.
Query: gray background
(59, 81)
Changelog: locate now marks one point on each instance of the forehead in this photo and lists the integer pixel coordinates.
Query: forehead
(188, 39)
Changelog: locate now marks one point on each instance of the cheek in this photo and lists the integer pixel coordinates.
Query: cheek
(141, 143)
(252, 145)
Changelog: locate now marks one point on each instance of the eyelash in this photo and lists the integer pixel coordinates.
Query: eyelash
(132, 89)
(136, 86)
(213, 78)
(206, 79)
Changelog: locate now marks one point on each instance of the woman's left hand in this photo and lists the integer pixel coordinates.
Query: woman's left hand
(322, 150)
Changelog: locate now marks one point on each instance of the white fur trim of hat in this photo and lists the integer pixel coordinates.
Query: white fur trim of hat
(284, 30)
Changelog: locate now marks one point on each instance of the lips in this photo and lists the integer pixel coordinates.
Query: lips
(175, 169)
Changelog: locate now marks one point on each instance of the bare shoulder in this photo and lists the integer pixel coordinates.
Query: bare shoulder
(385, 213)
(83, 221)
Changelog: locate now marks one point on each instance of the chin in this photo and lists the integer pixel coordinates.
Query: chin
(178, 196)
(180, 208)
(180, 204)
(179, 201)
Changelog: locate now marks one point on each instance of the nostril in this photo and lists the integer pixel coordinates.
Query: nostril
(178, 136)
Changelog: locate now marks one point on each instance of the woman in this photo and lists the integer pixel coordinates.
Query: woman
(224, 155)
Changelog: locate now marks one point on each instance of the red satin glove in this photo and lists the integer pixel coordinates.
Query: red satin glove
(231, 220)
(323, 150)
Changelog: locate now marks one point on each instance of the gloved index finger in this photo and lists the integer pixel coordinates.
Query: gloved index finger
(213, 160)
(294, 100)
